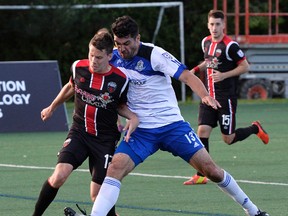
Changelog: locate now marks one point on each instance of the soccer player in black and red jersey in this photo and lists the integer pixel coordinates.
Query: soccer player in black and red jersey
(223, 62)
(100, 94)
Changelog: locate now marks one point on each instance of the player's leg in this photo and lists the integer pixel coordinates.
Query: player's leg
(126, 158)
(51, 186)
(227, 121)
(109, 192)
(207, 120)
(243, 133)
(72, 154)
(99, 160)
(203, 162)
(94, 190)
(190, 148)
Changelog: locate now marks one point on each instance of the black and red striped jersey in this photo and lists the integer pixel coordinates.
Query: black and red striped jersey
(97, 97)
(222, 56)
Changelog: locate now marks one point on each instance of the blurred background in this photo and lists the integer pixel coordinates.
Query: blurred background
(62, 33)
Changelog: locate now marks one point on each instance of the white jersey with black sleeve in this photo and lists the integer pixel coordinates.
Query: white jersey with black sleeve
(151, 95)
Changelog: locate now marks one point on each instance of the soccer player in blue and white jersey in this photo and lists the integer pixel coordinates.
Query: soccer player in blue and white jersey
(151, 96)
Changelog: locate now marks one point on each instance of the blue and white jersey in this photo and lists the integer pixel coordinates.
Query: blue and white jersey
(151, 95)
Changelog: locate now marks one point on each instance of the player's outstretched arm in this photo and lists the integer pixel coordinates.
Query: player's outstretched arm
(66, 93)
(190, 79)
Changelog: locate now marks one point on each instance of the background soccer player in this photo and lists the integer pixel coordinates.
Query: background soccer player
(223, 62)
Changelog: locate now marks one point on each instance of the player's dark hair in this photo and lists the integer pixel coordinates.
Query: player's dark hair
(216, 14)
(103, 40)
(125, 26)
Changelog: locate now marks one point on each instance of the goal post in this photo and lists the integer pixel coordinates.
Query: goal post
(161, 5)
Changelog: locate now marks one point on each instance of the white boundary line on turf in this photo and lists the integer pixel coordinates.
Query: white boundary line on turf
(139, 174)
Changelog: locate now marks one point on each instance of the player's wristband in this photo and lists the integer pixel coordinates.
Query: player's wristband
(196, 69)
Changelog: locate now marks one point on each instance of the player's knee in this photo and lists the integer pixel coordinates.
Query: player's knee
(120, 167)
(93, 197)
(228, 139)
(57, 180)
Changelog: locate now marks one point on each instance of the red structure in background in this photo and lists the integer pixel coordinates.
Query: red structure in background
(273, 15)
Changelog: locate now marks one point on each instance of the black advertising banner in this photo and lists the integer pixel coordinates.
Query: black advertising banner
(25, 89)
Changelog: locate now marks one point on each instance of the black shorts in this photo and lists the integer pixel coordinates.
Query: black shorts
(225, 116)
(79, 145)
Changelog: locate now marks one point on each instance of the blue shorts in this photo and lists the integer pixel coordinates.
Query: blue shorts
(177, 138)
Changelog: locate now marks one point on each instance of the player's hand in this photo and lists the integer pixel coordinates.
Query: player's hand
(208, 100)
(130, 127)
(46, 113)
(217, 76)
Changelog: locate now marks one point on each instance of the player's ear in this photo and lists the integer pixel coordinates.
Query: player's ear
(110, 56)
(138, 37)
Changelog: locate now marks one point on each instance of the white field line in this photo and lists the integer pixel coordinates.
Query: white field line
(140, 174)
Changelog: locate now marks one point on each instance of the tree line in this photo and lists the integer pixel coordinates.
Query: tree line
(63, 34)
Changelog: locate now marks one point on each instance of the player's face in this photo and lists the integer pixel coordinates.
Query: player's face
(98, 60)
(127, 46)
(216, 27)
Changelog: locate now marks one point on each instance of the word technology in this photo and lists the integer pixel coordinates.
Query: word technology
(14, 93)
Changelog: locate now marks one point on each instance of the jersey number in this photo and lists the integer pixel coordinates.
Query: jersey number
(225, 119)
(107, 160)
(190, 137)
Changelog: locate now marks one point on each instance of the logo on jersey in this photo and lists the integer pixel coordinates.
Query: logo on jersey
(140, 66)
(82, 80)
(105, 98)
(218, 52)
(95, 100)
(137, 81)
(66, 142)
(111, 87)
(167, 55)
(212, 63)
(171, 58)
(240, 53)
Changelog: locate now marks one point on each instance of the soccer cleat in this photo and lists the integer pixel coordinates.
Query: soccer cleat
(70, 212)
(196, 179)
(262, 134)
(260, 213)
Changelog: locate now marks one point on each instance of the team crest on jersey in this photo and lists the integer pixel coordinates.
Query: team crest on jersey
(66, 142)
(111, 87)
(139, 65)
(218, 52)
(82, 79)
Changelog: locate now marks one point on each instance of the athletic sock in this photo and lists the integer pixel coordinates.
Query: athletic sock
(112, 212)
(107, 197)
(230, 186)
(205, 142)
(243, 133)
(46, 196)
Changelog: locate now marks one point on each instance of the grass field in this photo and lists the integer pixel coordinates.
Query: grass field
(155, 187)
